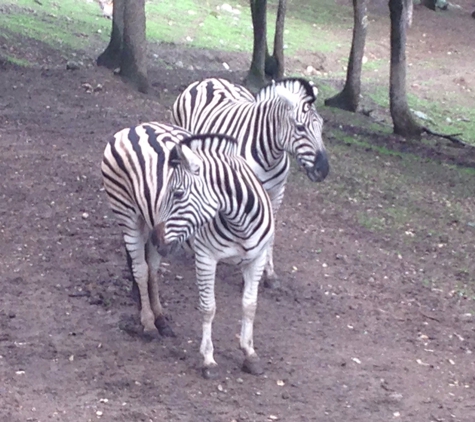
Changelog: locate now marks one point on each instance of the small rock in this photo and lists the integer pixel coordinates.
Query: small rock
(71, 65)
(179, 64)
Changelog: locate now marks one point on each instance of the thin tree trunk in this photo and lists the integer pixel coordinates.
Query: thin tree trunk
(110, 57)
(349, 97)
(403, 121)
(133, 65)
(279, 38)
(256, 76)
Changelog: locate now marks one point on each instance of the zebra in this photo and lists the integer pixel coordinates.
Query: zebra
(281, 121)
(167, 186)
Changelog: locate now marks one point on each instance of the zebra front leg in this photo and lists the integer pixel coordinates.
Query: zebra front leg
(205, 278)
(252, 274)
(153, 260)
(135, 245)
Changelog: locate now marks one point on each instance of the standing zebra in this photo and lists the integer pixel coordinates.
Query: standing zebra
(135, 170)
(201, 189)
(280, 122)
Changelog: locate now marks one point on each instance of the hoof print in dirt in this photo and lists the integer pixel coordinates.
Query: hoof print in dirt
(149, 336)
(210, 372)
(163, 327)
(253, 366)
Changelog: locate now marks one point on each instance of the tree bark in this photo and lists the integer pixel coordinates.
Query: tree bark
(133, 65)
(279, 40)
(256, 76)
(403, 121)
(348, 99)
(110, 57)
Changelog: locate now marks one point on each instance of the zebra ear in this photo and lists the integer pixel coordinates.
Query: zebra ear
(183, 155)
(289, 98)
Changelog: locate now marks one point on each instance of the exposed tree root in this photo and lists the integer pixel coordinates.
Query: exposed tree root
(453, 138)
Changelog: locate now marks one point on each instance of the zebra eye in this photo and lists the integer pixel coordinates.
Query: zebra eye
(300, 127)
(178, 194)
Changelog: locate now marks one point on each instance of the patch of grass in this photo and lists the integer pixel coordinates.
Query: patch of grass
(443, 118)
(57, 23)
(446, 119)
(16, 61)
(192, 22)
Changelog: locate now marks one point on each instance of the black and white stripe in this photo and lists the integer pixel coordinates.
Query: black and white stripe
(166, 186)
(281, 121)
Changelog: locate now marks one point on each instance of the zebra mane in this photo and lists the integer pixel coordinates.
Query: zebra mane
(305, 90)
(216, 143)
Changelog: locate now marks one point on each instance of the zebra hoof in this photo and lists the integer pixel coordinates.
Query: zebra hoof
(272, 282)
(252, 365)
(163, 327)
(210, 372)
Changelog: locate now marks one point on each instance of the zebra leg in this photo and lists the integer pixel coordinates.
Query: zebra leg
(252, 274)
(135, 245)
(271, 280)
(153, 260)
(205, 278)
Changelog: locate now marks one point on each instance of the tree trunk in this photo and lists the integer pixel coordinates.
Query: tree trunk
(110, 58)
(349, 97)
(403, 122)
(409, 4)
(279, 39)
(256, 77)
(133, 65)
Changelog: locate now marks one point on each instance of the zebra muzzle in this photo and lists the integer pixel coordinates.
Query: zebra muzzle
(158, 239)
(321, 168)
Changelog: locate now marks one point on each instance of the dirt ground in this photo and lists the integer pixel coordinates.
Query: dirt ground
(355, 334)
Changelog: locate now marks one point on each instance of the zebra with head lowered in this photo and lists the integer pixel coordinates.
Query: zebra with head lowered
(166, 186)
(281, 121)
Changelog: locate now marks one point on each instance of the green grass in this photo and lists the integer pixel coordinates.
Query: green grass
(66, 23)
(18, 62)
(192, 22)
(443, 117)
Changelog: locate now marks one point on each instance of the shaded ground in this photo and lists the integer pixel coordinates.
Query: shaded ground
(375, 322)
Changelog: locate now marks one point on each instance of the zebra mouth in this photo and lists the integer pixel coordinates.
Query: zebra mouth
(163, 247)
(319, 171)
(168, 248)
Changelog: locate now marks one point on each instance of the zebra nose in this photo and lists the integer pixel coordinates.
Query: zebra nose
(158, 240)
(321, 167)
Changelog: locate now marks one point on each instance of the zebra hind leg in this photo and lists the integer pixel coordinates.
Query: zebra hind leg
(271, 280)
(135, 246)
(135, 287)
(252, 275)
(153, 260)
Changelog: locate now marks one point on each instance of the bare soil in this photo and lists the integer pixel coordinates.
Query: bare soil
(370, 325)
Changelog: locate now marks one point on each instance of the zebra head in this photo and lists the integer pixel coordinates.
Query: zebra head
(187, 204)
(304, 137)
